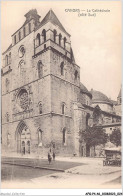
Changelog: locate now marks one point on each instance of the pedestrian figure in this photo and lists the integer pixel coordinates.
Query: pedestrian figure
(49, 158)
(54, 156)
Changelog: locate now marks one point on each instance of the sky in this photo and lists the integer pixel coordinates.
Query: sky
(96, 41)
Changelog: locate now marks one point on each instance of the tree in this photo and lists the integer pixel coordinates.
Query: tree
(94, 136)
(115, 137)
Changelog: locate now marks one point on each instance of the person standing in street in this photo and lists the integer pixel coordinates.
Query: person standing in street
(49, 157)
(53, 156)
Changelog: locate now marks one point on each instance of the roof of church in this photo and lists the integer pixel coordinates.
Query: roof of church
(99, 97)
(50, 16)
(83, 89)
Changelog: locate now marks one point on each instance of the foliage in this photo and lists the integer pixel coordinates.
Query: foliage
(94, 136)
(115, 137)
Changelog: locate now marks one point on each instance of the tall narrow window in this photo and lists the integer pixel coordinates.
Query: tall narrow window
(8, 139)
(24, 31)
(87, 119)
(7, 85)
(64, 135)
(38, 41)
(9, 57)
(29, 27)
(19, 35)
(76, 74)
(62, 68)
(40, 69)
(15, 39)
(40, 133)
(54, 35)
(60, 38)
(22, 69)
(40, 108)
(7, 117)
(44, 35)
(63, 108)
(6, 60)
(65, 42)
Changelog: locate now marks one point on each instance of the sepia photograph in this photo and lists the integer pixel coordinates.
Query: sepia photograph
(61, 95)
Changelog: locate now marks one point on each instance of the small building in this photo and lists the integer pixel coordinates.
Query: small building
(113, 153)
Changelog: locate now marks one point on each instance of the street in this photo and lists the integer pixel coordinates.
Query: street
(21, 173)
(70, 172)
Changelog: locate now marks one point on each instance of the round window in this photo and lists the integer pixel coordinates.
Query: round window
(23, 99)
(21, 51)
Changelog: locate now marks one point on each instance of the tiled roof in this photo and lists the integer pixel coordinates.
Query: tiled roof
(50, 16)
(97, 96)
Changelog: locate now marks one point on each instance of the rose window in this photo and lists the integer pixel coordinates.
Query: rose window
(23, 99)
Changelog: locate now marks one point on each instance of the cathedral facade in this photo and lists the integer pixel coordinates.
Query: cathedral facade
(44, 104)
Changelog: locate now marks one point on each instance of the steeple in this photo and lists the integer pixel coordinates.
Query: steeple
(50, 16)
(32, 14)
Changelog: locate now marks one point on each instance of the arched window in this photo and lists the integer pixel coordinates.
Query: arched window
(19, 35)
(60, 38)
(54, 35)
(22, 70)
(44, 35)
(7, 117)
(40, 69)
(65, 42)
(24, 32)
(8, 139)
(40, 133)
(29, 27)
(62, 68)
(21, 51)
(64, 135)
(40, 108)
(38, 41)
(9, 57)
(76, 74)
(6, 60)
(63, 108)
(15, 39)
(7, 85)
(87, 119)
